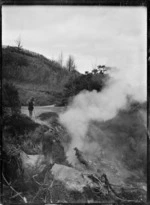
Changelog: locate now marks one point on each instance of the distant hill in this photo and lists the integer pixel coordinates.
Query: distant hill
(34, 75)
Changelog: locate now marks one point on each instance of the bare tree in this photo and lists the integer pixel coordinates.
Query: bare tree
(70, 63)
(94, 66)
(19, 42)
(60, 59)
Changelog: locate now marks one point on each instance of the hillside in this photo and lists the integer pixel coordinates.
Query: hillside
(34, 75)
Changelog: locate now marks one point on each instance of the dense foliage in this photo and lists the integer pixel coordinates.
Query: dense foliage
(94, 80)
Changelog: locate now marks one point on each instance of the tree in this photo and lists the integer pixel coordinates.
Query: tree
(18, 42)
(101, 68)
(60, 59)
(70, 63)
(82, 82)
(94, 71)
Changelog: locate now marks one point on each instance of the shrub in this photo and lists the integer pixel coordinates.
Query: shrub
(18, 124)
(10, 98)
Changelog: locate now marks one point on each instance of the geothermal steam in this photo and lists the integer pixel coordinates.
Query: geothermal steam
(127, 80)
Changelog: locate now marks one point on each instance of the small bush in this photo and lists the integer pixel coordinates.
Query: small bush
(10, 98)
(18, 124)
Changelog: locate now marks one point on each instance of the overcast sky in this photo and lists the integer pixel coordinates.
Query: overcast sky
(93, 35)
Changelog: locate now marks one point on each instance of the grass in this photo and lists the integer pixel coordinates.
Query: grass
(29, 70)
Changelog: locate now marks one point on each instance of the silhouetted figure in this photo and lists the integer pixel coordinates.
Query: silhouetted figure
(31, 106)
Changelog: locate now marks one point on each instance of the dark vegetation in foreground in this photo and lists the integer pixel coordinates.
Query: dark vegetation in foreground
(24, 141)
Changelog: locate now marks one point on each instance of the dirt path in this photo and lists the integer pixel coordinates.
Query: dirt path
(41, 109)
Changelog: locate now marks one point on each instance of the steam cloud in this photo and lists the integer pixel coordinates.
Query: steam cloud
(127, 79)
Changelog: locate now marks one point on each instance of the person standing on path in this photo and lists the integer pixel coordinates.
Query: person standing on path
(31, 106)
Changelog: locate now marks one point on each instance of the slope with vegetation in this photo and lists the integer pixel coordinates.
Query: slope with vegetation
(34, 75)
(47, 80)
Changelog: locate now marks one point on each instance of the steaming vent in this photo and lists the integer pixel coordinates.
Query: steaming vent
(107, 128)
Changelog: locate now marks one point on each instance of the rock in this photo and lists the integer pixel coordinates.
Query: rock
(32, 164)
(73, 179)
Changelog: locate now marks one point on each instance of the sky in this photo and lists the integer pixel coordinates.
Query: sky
(92, 35)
